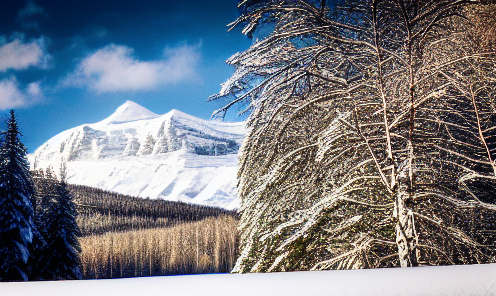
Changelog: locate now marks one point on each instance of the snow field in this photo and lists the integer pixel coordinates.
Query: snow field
(175, 176)
(462, 280)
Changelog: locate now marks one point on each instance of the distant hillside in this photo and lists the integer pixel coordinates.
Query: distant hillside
(102, 211)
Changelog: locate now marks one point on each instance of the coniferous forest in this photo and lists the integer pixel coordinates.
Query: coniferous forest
(95, 206)
(51, 230)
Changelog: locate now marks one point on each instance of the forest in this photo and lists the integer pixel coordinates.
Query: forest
(101, 211)
(126, 236)
(205, 246)
(50, 230)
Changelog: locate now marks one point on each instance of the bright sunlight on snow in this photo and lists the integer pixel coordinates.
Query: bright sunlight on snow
(462, 280)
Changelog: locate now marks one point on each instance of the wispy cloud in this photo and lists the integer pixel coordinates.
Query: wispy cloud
(114, 69)
(11, 96)
(20, 56)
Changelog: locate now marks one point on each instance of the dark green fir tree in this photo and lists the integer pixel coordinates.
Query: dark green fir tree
(17, 227)
(60, 259)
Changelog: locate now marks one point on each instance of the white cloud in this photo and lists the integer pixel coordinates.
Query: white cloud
(13, 97)
(113, 68)
(181, 62)
(19, 56)
(34, 90)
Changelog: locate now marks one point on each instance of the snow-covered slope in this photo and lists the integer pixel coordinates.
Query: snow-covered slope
(134, 151)
(463, 280)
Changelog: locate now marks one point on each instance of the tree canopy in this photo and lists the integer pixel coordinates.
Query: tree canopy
(372, 135)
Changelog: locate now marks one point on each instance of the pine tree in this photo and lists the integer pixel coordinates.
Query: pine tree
(17, 227)
(60, 258)
(44, 190)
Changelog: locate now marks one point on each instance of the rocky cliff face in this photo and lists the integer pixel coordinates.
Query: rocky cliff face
(128, 151)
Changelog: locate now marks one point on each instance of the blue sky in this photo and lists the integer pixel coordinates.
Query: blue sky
(65, 63)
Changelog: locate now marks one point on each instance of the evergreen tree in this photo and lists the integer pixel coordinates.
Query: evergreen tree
(16, 206)
(61, 232)
(44, 184)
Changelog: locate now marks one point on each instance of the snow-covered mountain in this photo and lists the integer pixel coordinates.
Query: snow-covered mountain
(134, 151)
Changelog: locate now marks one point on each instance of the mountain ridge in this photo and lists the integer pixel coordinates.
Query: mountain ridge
(174, 156)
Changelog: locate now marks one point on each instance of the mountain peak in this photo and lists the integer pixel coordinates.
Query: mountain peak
(175, 112)
(129, 111)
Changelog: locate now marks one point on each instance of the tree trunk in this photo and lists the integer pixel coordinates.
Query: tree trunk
(406, 235)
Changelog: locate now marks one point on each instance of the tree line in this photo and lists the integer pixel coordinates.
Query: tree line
(101, 211)
(94, 200)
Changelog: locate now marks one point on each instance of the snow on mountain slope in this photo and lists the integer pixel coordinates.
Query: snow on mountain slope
(134, 151)
(129, 111)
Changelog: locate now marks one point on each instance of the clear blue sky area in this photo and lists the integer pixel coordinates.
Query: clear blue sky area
(66, 63)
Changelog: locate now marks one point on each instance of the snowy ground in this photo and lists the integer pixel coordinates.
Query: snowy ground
(443, 280)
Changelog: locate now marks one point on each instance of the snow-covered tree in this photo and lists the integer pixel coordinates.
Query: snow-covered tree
(372, 135)
(132, 147)
(44, 183)
(59, 258)
(175, 141)
(162, 141)
(148, 146)
(16, 206)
